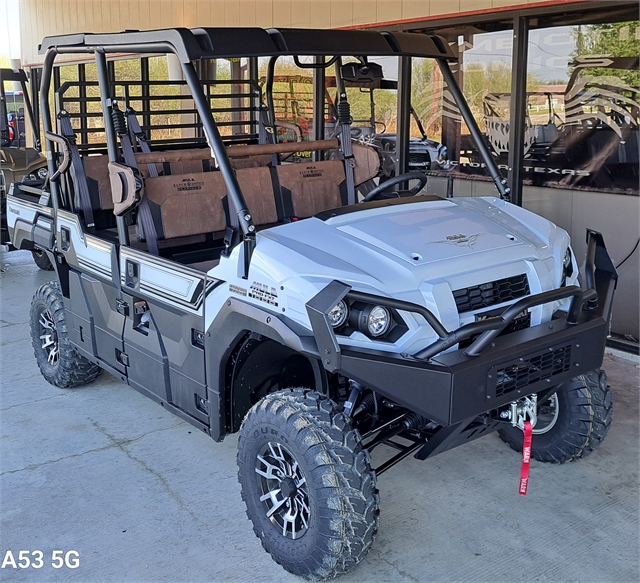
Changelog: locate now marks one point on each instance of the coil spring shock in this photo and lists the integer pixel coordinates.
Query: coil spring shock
(344, 111)
(119, 123)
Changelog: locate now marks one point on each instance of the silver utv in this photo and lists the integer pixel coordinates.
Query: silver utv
(247, 294)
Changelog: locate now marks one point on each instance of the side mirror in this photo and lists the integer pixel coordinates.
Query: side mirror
(361, 75)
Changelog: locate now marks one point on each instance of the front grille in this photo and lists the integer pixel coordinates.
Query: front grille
(491, 293)
(419, 160)
(525, 372)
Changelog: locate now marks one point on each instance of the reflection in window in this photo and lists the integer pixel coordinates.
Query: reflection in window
(582, 115)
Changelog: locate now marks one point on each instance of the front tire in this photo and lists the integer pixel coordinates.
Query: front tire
(572, 423)
(307, 484)
(42, 260)
(58, 360)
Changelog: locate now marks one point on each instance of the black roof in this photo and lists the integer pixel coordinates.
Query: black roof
(13, 75)
(211, 43)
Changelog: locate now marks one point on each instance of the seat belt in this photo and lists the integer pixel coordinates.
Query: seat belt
(267, 133)
(136, 135)
(344, 131)
(144, 209)
(80, 178)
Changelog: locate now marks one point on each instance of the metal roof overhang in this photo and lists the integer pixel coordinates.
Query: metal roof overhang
(213, 43)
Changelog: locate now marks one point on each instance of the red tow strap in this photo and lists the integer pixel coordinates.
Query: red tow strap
(526, 459)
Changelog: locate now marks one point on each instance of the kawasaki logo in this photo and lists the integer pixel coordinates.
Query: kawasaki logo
(460, 240)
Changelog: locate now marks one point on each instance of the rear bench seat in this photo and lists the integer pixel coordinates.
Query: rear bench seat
(189, 204)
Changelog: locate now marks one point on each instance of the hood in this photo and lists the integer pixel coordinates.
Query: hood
(396, 247)
(21, 160)
(434, 232)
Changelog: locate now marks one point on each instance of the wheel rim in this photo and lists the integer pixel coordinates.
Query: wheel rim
(282, 487)
(49, 337)
(547, 414)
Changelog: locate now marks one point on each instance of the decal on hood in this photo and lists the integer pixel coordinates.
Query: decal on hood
(459, 240)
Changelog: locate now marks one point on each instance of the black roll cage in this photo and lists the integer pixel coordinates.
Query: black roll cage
(191, 45)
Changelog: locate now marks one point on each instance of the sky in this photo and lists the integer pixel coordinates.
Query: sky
(549, 51)
(9, 29)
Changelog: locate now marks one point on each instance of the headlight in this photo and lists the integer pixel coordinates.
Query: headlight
(372, 319)
(338, 314)
(378, 320)
(42, 173)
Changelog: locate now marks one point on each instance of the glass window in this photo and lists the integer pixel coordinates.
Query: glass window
(582, 116)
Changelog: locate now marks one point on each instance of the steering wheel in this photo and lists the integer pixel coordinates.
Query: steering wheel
(421, 177)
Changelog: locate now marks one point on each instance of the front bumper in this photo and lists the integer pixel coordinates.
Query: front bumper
(451, 387)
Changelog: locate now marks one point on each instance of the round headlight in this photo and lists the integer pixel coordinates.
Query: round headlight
(42, 173)
(338, 314)
(378, 321)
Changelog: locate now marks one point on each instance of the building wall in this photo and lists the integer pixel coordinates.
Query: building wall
(40, 18)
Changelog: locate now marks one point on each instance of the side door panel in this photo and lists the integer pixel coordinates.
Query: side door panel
(163, 330)
(94, 325)
(148, 363)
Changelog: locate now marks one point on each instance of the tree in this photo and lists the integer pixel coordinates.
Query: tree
(618, 39)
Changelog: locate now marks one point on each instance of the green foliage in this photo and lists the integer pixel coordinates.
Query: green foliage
(618, 39)
(494, 77)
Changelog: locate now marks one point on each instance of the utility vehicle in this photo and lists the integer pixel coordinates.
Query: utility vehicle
(293, 109)
(247, 294)
(18, 162)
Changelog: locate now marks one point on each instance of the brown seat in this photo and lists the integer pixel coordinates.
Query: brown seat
(313, 186)
(187, 204)
(185, 167)
(97, 171)
(251, 161)
(198, 160)
(257, 188)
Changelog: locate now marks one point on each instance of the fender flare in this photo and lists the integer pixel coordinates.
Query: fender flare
(234, 320)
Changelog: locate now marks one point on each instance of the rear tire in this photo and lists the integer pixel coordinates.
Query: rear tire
(307, 484)
(42, 260)
(578, 425)
(58, 360)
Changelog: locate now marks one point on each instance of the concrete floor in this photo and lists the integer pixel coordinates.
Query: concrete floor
(143, 497)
